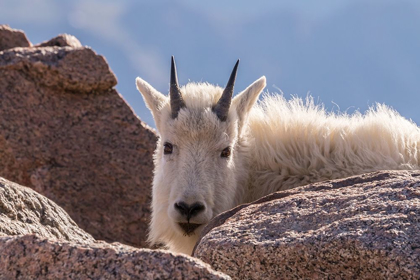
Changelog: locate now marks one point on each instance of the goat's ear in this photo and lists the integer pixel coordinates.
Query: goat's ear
(244, 101)
(153, 98)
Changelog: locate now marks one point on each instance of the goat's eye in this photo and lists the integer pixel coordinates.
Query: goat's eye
(225, 153)
(167, 148)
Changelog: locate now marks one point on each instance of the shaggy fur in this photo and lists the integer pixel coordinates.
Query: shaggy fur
(275, 145)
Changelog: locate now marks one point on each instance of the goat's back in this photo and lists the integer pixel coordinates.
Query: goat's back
(298, 142)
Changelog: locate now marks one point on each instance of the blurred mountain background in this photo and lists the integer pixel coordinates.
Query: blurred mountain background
(347, 54)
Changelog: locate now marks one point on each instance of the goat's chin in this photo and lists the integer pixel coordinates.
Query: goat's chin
(182, 242)
(165, 230)
(188, 230)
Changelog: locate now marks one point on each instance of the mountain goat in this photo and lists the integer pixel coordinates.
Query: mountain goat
(215, 152)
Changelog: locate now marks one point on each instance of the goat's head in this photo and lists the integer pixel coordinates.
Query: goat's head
(198, 158)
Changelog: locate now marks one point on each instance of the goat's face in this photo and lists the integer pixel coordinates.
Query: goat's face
(195, 168)
(197, 158)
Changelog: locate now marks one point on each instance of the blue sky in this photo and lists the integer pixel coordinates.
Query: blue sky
(347, 54)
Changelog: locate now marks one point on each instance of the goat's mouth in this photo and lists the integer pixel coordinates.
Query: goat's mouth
(189, 228)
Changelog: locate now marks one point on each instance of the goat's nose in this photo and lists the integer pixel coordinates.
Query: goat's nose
(189, 211)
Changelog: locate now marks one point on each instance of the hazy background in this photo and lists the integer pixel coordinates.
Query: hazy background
(348, 54)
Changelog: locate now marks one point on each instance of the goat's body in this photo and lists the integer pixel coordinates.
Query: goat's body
(212, 156)
(294, 143)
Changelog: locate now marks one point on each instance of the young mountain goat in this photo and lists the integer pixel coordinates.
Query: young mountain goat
(215, 152)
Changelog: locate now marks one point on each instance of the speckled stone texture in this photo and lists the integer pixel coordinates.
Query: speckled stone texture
(38, 240)
(24, 211)
(32, 257)
(364, 227)
(11, 38)
(67, 133)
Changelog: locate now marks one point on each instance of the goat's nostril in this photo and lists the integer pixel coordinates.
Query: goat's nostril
(182, 208)
(187, 210)
(196, 208)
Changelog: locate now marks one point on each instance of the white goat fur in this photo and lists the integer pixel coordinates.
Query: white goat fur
(276, 145)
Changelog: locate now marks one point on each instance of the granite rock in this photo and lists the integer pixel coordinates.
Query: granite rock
(76, 70)
(24, 211)
(11, 38)
(364, 227)
(68, 134)
(32, 257)
(38, 240)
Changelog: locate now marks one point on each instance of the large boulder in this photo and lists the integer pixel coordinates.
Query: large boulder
(24, 211)
(68, 134)
(365, 227)
(38, 240)
(11, 38)
(32, 257)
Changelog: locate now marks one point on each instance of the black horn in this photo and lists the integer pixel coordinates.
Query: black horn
(222, 107)
(174, 92)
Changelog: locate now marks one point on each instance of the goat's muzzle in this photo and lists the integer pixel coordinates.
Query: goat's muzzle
(188, 228)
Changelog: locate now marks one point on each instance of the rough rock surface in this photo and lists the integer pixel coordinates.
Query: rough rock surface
(76, 70)
(364, 227)
(62, 40)
(11, 38)
(38, 240)
(67, 134)
(24, 211)
(32, 257)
